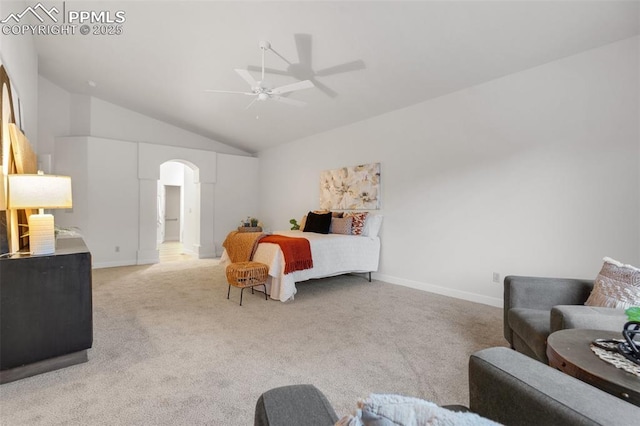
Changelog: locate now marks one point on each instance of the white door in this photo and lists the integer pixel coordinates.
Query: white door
(172, 213)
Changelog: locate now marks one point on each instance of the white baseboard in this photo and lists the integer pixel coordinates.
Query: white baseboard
(200, 252)
(113, 264)
(146, 257)
(458, 294)
(206, 252)
(190, 252)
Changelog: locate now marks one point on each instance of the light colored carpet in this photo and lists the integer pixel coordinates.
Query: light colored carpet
(170, 349)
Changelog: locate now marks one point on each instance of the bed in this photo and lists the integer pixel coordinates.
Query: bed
(333, 254)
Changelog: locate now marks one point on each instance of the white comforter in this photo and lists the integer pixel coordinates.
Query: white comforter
(333, 254)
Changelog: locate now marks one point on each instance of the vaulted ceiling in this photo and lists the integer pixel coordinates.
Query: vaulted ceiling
(365, 57)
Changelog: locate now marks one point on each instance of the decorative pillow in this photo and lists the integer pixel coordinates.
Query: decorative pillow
(318, 223)
(303, 222)
(396, 410)
(358, 221)
(341, 225)
(616, 286)
(372, 225)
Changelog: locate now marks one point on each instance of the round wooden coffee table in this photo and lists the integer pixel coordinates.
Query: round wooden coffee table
(569, 351)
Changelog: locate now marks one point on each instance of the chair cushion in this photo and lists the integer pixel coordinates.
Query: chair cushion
(590, 317)
(533, 327)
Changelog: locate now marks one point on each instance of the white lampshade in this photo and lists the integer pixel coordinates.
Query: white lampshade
(39, 192)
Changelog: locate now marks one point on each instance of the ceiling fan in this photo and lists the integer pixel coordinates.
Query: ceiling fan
(303, 69)
(262, 91)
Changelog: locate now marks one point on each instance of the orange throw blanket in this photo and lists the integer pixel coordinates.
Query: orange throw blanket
(297, 252)
(240, 246)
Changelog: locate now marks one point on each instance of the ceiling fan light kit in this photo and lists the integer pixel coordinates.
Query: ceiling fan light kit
(262, 91)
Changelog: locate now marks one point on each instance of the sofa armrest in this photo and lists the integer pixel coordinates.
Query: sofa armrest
(294, 405)
(542, 294)
(589, 317)
(511, 388)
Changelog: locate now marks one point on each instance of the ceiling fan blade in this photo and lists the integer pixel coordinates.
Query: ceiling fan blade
(346, 67)
(267, 70)
(305, 84)
(246, 77)
(303, 45)
(288, 101)
(229, 91)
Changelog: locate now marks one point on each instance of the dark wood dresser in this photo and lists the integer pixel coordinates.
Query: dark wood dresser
(46, 314)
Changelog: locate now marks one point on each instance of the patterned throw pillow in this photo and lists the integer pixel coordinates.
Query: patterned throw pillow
(341, 225)
(358, 221)
(616, 286)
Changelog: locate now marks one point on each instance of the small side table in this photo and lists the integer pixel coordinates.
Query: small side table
(569, 351)
(247, 274)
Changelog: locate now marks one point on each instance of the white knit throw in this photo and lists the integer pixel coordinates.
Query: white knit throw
(398, 410)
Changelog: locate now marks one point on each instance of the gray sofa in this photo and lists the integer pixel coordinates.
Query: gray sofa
(504, 385)
(536, 307)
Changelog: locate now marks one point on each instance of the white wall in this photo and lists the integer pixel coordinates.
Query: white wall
(90, 118)
(236, 194)
(53, 120)
(535, 173)
(68, 114)
(114, 122)
(81, 115)
(105, 196)
(172, 173)
(115, 197)
(73, 160)
(80, 107)
(191, 234)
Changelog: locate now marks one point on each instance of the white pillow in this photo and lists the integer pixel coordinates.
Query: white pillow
(372, 225)
(616, 286)
(398, 410)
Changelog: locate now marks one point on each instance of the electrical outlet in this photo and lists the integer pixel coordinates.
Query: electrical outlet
(496, 277)
(118, 250)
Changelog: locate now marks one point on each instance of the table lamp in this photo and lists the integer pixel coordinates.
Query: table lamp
(27, 191)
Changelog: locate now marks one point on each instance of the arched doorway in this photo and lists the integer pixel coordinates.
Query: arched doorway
(199, 171)
(176, 203)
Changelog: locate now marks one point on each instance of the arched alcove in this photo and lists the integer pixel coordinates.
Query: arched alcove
(178, 223)
(201, 168)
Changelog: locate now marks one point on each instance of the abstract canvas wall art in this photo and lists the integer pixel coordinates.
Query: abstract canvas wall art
(351, 188)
